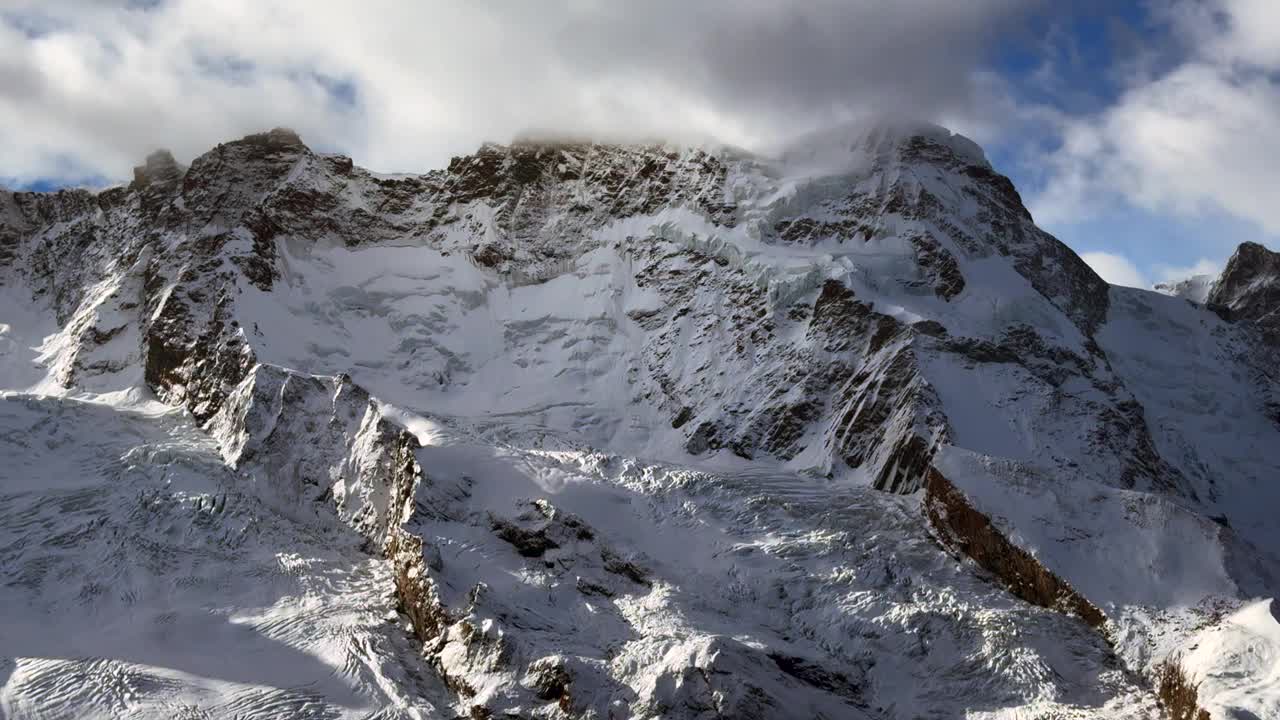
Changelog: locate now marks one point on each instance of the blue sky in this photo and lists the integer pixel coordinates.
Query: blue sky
(1142, 133)
(1081, 64)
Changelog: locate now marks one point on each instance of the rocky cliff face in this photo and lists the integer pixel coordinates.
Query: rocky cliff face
(1249, 289)
(640, 430)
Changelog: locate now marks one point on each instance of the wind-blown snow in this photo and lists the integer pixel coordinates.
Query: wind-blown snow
(1195, 288)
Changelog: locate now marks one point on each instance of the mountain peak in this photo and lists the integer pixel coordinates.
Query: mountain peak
(276, 138)
(865, 141)
(1249, 288)
(159, 170)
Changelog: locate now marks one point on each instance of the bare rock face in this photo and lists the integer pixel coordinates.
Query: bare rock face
(12, 226)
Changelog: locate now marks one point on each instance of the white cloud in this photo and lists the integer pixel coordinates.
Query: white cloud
(1198, 139)
(1203, 266)
(1115, 269)
(89, 87)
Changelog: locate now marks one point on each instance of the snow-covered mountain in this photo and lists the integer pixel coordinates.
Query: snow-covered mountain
(585, 430)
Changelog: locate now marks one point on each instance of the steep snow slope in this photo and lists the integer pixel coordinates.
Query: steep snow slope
(620, 421)
(140, 579)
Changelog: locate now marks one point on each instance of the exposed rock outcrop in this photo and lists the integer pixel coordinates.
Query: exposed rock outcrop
(1248, 290)
(971, 533)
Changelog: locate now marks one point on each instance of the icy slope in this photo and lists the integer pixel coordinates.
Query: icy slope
(1237, 663)
(618, 422)
(141, 579)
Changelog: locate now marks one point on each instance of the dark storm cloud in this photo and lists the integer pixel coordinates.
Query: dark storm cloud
(811, 58)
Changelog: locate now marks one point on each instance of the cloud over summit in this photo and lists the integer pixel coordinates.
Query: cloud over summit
(87, 88)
